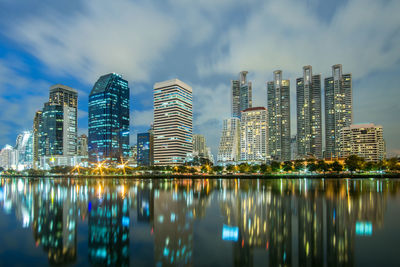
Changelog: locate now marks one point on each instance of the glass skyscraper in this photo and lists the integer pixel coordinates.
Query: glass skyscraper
(144, 149)
(241, 94)
(278, 92)
(338, 108)
(309, 125)
(109, 119)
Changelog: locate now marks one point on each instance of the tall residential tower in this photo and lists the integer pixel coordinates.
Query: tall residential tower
(309, 125)
(338, 108)
(109, 119)
(278, 92)
(241, 94)
(229, 144)
(173, 122)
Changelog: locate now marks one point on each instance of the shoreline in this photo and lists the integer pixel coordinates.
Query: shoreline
(215, 176)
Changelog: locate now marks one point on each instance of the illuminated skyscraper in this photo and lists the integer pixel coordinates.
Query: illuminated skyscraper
(278, 92)
(144, 149)
(363, 140)
(83, 145)
(58, 123)
(241, 94)
(229, 144)
(338, 108)
(37, 121)
(254, 134)
(109, 119)
(309, 125)
(199, 145)
(173, 122)
(24, 147)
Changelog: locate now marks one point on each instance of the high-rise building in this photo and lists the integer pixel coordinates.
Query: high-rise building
(363, 140)
(241, 94)
(338, 108)
(254, 135)
(199, 145)
(173, 122)
(144, 149)
(109, 119)
(37, 121)
(68, 98)
(8, 158)
(309, 124)
(24, 148)
(229, 145)
(278, 92)
(83, 145)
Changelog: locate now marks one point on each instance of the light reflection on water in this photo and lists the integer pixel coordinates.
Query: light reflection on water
(199, 222)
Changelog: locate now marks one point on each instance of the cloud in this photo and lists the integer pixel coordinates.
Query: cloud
(142, 118)
(106, 36)
(363, 35)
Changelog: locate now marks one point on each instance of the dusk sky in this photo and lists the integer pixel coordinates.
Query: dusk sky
(203, 43)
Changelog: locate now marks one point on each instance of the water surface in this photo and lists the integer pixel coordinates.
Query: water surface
(122, 222)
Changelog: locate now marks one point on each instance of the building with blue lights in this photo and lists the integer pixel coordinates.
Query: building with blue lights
(109, 119)
(144, 149)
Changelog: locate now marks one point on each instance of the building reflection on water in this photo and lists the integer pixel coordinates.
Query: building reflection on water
(293, 222)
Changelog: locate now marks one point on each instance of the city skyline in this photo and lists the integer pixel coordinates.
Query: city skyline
(32, 52)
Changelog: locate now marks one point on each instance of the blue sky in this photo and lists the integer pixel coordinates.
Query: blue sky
(205, 44)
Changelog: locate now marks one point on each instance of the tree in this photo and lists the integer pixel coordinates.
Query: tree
(353, 163)
(244, 168)
(264, 168)
(182, 169)
(311, 166)
(287, 166)
(322, 166)
(192, 170)
(392, 164)
(275, 166)
(299, 165)
(230, 168)
(218, 169)
(369, 166)
(255, 168)
(336, 166)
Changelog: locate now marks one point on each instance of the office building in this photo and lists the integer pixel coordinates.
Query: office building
(363, 140)
(173, 122)
(199, 145)
(278, 92)
(338, 108)
(109, 119)
(37, 121)
(254, 135)
(8, 158)
(241, 94)
(24, 149)
(144, 149)
(229, 145)
(83, 145)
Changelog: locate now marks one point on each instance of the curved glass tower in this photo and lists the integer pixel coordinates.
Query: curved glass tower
(109, 119)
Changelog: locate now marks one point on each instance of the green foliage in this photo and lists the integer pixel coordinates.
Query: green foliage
(255, 168)
(275, 166)
(322, 166)
(354, 163)
(393, 164)
(312, 167)
(244, 168)
(264, 168)
(299, 165)
(336, 166)
(231, 168)
(287, 166)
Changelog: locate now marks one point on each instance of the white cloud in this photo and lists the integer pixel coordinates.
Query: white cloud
(142, 118)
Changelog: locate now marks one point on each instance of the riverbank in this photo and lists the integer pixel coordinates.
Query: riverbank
(218, 176)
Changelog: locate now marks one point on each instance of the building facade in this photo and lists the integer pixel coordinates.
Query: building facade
(37, 121)
(173, 122)
(83, 145)
(109, 119)
(363, 140)
(24, 149)
(199, 145)
(278, 92)
(229, 145)
(338, 108)
(254, 135)
(241, 94)
(144, 149)
(309, 123)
